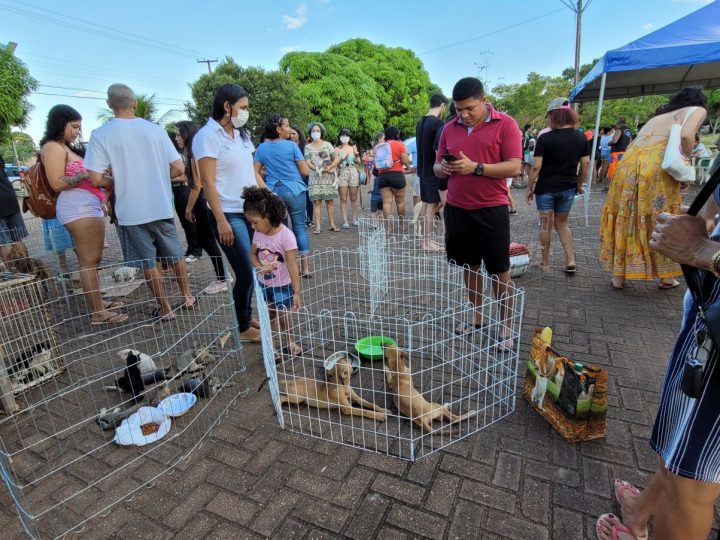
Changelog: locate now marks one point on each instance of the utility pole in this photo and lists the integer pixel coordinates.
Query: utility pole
(578, 9)
(208, 62)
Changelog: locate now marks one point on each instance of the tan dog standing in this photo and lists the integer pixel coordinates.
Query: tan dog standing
(334, 394)
(408, 400)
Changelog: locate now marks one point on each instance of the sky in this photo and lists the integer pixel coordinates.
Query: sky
(77, 48)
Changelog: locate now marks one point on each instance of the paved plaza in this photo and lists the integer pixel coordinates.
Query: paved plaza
(517, 479)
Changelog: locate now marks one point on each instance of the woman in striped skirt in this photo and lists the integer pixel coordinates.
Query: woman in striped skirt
(686, 436)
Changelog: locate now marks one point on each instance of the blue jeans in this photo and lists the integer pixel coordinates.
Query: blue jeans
(296, 211)
(238, 255)
(561, 201)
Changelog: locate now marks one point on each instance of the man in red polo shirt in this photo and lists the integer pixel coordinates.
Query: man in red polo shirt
(477, 152)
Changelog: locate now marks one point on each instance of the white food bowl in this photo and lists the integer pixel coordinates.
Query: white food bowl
(130, 433)
(177, 404)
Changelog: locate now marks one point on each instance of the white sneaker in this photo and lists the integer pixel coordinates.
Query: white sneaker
(191, 258)
(216, 287)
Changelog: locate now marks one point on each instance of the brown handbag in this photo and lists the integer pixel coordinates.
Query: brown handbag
(40, 199)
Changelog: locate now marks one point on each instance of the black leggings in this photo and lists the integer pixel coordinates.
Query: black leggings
(180, 198)
(206, 238)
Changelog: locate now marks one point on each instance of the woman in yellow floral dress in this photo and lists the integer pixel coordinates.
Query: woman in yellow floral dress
(641, 190)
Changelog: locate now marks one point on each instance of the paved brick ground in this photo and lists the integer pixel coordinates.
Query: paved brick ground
(517, 479)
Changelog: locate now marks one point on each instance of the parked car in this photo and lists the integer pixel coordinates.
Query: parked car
(14, 173)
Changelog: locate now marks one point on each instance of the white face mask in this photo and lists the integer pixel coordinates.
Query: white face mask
(241, 119)
(344, 139)
(315, 135)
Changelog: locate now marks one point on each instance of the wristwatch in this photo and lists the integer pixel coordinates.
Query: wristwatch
(479, 169)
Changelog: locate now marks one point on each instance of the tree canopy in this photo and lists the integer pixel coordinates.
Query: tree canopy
(24, 145)
(404, 86)
(337, 91)
(270, 92)
(16, 84)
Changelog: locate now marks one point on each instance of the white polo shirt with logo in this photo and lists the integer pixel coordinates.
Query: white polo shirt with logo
(234, 167)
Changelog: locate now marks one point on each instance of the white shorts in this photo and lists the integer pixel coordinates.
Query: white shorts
(77, 203)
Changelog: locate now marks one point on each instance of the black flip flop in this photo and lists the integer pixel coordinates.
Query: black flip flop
(570, 269)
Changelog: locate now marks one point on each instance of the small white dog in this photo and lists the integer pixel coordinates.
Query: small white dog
(124, 274)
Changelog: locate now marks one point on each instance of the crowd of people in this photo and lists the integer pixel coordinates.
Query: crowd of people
(255, 205)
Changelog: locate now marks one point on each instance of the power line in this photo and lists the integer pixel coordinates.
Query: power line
(100, 92)
(141, 42)
(122, 33)
(157, 100)
(521, 23)
(73, 65)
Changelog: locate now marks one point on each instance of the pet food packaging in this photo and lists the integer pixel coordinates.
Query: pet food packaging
(568, 394)
(519, 259)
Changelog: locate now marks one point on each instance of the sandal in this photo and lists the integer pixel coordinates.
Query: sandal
(306, 275)
(665, 286)
(334, 229)
(158, 316)
(621, 487)
(112, 304)
(570, 269)
(114, 318)
(316, 231)
(616, 526)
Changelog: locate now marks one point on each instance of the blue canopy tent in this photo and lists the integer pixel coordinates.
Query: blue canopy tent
(683, 53)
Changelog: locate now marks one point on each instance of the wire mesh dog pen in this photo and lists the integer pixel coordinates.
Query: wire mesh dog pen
(359, 300)
(58, 455)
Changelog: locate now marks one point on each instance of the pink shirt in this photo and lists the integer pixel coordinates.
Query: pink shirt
(273, 250)
(490, 142)
(75, 167)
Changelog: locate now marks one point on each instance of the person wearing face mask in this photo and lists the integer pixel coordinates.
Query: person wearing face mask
(322, 160)
(298, 137)
(285, 167)
(348, 176)
(224, 154)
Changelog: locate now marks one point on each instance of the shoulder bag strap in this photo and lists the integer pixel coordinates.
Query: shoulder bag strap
(700, 287)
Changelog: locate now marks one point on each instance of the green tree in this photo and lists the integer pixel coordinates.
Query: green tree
(270, 92)
(527, 102)
(24, 145)
(404, 86)
(16, 84)
(338, 92)
(147, 108)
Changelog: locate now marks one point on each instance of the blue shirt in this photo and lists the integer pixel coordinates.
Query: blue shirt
(280, 158)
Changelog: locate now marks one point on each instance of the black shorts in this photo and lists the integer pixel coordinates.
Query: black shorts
(429, 189)
(442, 184)
(392, 179)
(478, 236)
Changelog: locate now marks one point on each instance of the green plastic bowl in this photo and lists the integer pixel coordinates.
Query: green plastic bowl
(371, 347)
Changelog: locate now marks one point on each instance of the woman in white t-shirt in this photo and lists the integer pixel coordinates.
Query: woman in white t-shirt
(224, 154)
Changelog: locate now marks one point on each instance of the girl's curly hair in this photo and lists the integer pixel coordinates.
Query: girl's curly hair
(265, 204)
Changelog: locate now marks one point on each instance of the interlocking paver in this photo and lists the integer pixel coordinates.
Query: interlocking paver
(517, 479)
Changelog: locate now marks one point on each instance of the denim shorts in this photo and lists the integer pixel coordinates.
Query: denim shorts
(281, 296)
(560, 201)
(143, 244)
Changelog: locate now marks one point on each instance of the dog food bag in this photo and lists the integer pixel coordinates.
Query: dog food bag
(568, 394)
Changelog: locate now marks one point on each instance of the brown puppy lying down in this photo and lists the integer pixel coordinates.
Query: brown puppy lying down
(334, 394)
(408, 400)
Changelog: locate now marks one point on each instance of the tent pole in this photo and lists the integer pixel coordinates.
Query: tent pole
(588, 184)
